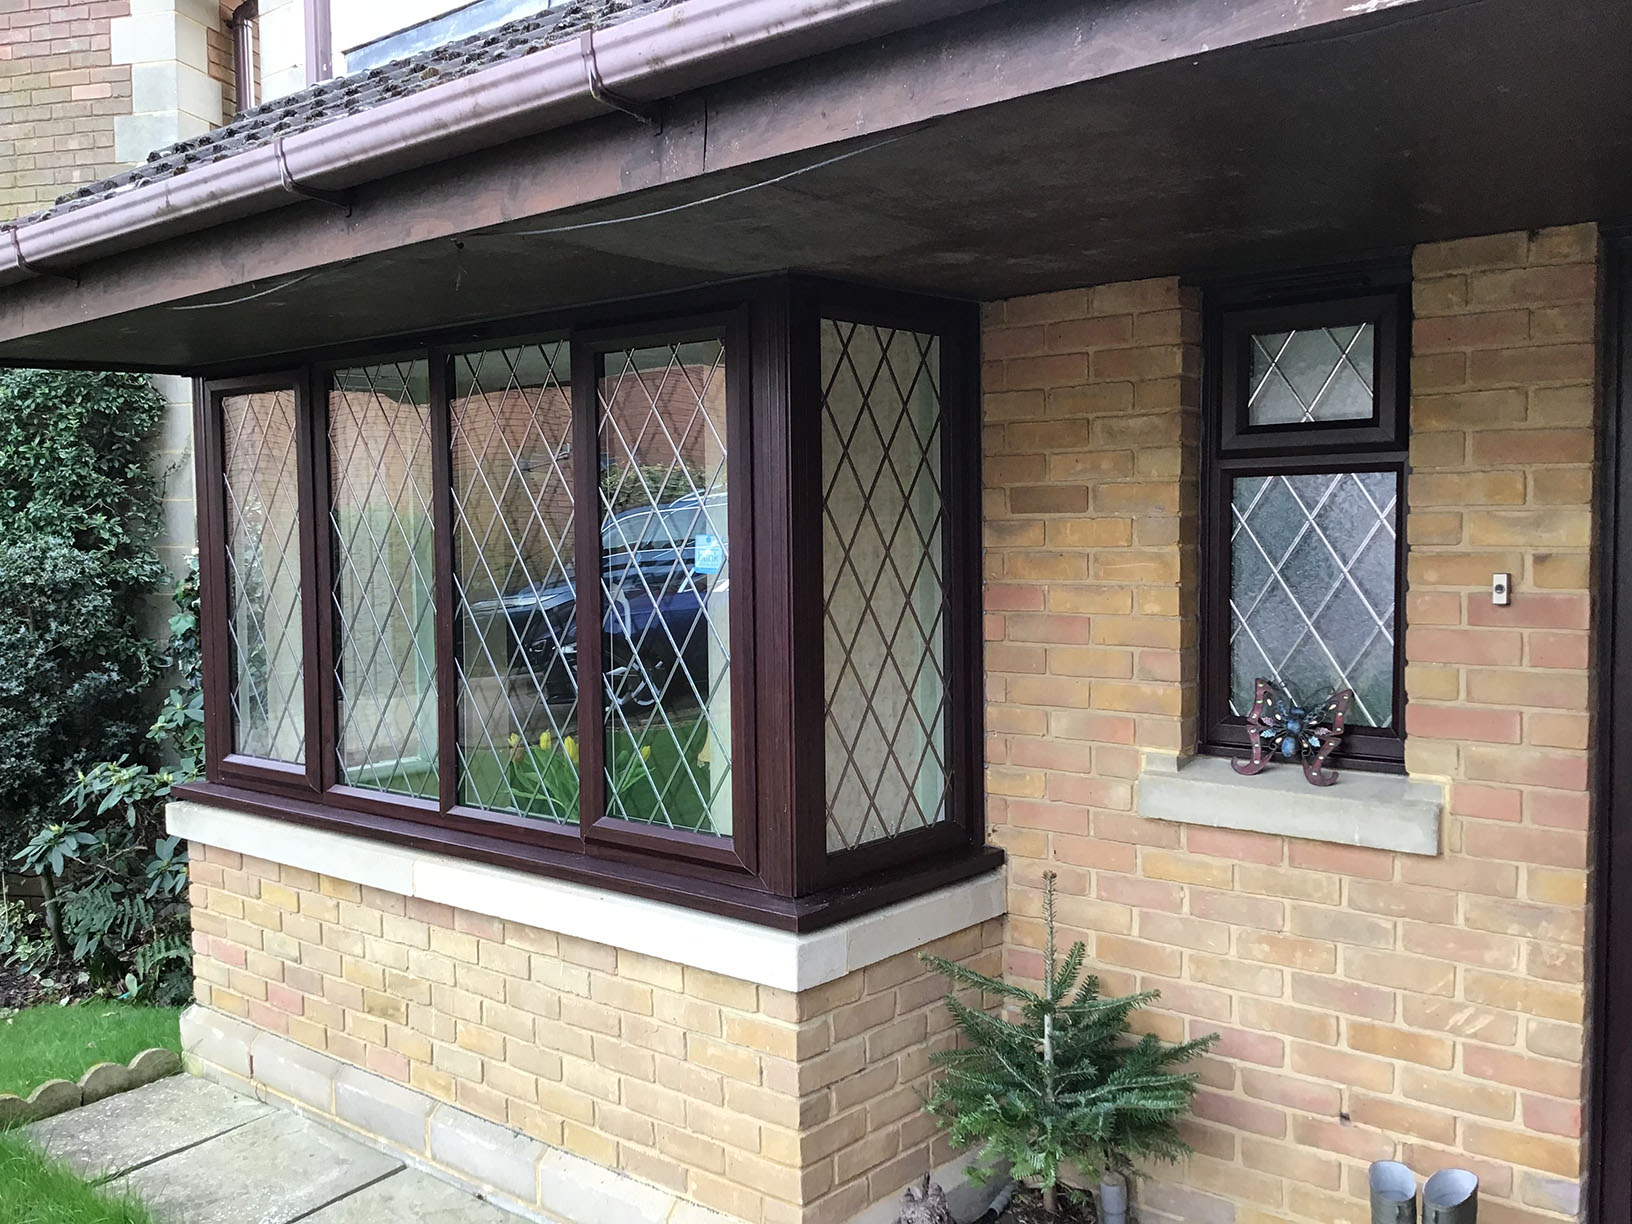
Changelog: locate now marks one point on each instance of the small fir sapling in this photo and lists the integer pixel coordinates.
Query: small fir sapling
(1059, 1079)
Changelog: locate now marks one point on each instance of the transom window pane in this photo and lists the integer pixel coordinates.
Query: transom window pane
(263, 576)
(665, 586)
(883, 640)
(1319, 374)
(1312, 588)
(380, 477)
(517, 606)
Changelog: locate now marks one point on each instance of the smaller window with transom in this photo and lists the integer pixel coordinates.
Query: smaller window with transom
(1304, 472)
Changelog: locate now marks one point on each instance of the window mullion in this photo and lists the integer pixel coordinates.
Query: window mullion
(214, 612)
(311, 455)
(586, 524)
(442, 585)
(321, 683)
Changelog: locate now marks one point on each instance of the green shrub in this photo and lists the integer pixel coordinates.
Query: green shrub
(79, 511)
(84, 766)
(117, 885)
(1062, 1081)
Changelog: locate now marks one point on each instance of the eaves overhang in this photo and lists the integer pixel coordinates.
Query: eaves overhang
(1011, 148)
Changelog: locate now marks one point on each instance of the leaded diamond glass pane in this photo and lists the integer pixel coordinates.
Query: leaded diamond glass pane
(380, 478)
(263, 576)
(1319, 374)
(884, 628)
(1313, 563)
(666, 586)
(518, 636)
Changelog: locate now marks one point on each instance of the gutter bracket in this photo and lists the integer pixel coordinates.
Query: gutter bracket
(34, 269)
(338, 199)
(649, 113)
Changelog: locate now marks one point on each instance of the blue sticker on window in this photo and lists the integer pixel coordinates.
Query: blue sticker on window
(710, 554)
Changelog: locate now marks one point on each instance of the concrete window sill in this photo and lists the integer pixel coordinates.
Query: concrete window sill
(1381, 811)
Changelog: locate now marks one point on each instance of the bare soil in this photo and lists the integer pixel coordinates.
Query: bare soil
(19, 990)
(1027, 1208)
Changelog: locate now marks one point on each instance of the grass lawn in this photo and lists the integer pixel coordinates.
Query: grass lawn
(52, 1042)
(664, 789)
(34, 1190)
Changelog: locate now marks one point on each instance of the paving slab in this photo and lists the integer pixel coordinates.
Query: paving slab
(134, 1128)
(412, 1197)
(271, 1171)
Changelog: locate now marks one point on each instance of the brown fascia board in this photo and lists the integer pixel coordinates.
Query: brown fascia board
(627, 64)
(991, 52)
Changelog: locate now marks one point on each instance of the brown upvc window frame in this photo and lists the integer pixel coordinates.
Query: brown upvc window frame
(739, 850)
(221, 762)
(774, 867)
(1231, 447)
(959, 378)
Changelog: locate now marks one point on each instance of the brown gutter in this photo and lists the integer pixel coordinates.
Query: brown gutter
(694, 44)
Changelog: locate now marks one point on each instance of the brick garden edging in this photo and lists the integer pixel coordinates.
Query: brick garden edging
(103, 1080)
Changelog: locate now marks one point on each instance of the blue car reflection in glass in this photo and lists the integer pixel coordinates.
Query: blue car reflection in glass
(658, 568)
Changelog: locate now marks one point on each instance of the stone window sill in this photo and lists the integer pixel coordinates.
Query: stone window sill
(743, 950)
(1380, 811)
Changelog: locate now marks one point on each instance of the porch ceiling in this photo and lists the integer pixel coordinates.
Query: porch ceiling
(1420, 121)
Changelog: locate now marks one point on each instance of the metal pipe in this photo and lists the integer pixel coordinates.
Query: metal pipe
(1393, 1193)
(699, 43)
(1451, 1197)
(242, 27)
(1113, 1199)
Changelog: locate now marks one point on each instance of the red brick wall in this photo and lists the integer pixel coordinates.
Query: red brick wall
(1371, 1004)
(59, 94)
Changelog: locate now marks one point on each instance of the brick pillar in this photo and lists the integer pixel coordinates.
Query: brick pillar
(1092, 419)
(1502, 452)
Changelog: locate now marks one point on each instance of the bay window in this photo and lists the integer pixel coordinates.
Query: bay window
(679, 598)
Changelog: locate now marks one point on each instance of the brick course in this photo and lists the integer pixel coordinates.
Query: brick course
(767, 1105)
(1371, 1004)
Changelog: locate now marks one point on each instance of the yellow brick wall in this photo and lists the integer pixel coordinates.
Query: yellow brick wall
(1371, 1004)
(59, 94)
(770, 1106)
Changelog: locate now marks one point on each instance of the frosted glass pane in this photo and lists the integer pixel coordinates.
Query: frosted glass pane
(1321, 374)
(1312, 588)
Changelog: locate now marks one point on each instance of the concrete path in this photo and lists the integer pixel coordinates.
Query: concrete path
(196, 1153)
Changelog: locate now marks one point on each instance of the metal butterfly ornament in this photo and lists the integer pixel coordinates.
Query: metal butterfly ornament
(1280, 727)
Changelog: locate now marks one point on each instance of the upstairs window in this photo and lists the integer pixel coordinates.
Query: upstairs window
(1304, 475)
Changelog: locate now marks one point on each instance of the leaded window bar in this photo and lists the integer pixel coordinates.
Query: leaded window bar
(680, 598)
(1305, 456)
